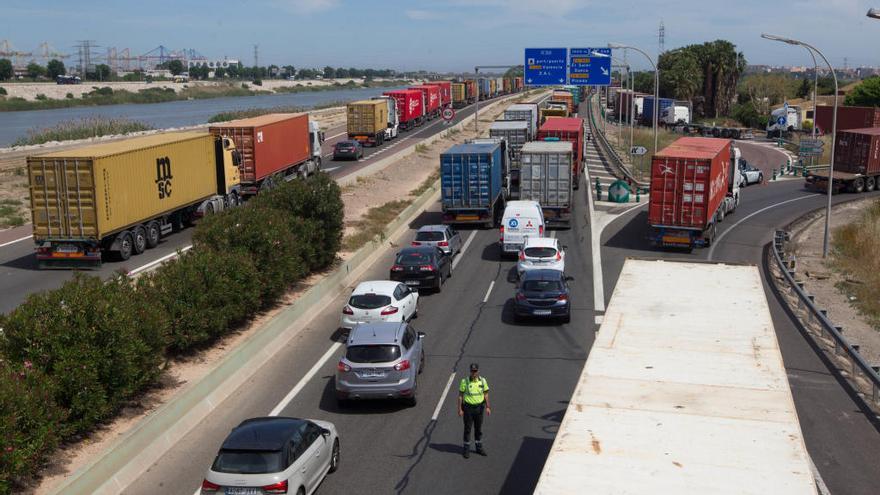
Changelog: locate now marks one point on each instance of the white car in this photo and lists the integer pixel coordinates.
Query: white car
(274, 455)
(750, 175)
(380, 300)
(541, 253)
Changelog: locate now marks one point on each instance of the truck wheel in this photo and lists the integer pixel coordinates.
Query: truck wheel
(870, 184)
(232, 200)
(153, 234)
(139, 235)
(858, 185)
(125, 246)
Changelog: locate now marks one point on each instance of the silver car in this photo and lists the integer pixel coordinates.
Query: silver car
(274, 455)
(442, 236)
(381, 361)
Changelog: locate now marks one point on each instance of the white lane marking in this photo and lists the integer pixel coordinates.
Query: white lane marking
(718, 240)
(486, 297)
(17, 240)
(595, 251)
(335, 136)
(443, 397)
(464, 248)
(599, 319)
(159, 261)
(331, 169)
(817, 476)
(552, 234)
(328, 154)
(305, 379)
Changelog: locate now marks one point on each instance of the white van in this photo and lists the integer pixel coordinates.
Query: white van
(521, 219)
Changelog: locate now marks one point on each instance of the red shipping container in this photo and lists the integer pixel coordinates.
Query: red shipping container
(857, 151)
(567, 129)
(410, 104)
(847, 118)
(689, 180)
(471, 85)
(432, 97)
(445, 92)
(268, 144)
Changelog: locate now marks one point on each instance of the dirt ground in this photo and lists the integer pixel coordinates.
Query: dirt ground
(821, 280)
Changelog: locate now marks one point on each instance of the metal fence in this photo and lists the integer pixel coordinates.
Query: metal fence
(614, 158)
(863, 376)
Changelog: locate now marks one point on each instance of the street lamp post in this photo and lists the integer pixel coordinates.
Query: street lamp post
(656, 85)
(812, 49)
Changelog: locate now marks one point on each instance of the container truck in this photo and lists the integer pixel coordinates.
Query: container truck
(518, 83)
(527, 112)
(784, 120)
(473, 182)
(575, 94)
(410, 107)
(493, 87)
(569, 129)
(684, 392)
(516, 134)
(445, 93)
(508, 86)
(118, 199)
(473, 91)
(393, 118)
(273, 147)
(545, 176)
(565, 97)
(674, 115)
(367, 121)
(499, 86)
(432, 99)
(485, 88)
(847, 118)
(459, 95)
(648, 108)
(856, 163)
(694, 185)
(554, 110)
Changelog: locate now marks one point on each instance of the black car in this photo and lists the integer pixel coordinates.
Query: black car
(348, 149)
(542, 294)
(422, 267)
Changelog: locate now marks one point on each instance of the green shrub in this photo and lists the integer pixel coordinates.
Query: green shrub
(69, 96)
(257, 82)
(99, 342)
(203, 293)
(3, 91)
(41, 96)
(30, 423)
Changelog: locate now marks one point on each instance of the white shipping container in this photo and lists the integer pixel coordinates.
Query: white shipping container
(524, 111)
(545, 173)
(515, 132)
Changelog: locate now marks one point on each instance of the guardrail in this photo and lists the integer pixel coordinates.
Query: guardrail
(609, 150)
(869, 385)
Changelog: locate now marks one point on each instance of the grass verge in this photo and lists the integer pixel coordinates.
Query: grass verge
(9, 214)
(642, 136)
(81, 129)
(373, 224)
(855, 256)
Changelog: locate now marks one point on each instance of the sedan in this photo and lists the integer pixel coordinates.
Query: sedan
(540, 253)
(380, 300)
(423, 267)
(542, 294)
(352, 150)
(274, 455)
(750, 175)
(442, 236)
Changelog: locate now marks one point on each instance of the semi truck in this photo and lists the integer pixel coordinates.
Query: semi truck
(445, 93)
(569, 129)
(554, 110)
(648, 108)
(118, 199)
(369, 121)
(560, 96)
(684, 392)
(545, 176)
(473, 185)
(459, 95)
(527, 112)
(695, 183)
(432, 99)
(856, 163)
(410, 107)
(516, 134)
(783, 121)
(393, 117)
(273, 147)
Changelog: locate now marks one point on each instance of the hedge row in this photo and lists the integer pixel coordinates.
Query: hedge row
(70, 358)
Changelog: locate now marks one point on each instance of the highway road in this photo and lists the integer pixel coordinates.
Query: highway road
(19, 275)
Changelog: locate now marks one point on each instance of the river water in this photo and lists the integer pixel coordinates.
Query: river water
(14, 125)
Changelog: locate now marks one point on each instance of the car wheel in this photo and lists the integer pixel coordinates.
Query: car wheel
(301, 491)
(334, 456)
(567, 318)
(422, 363)
(760, 178)
(439, 283)
(449, 274)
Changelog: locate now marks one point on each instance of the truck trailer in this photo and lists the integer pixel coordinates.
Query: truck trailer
(118, 199)
(569, 129)
(856, 163)
(545, 176)
(516, 134)
(432, 99)
(410, 106)
(473, 182)
(527, 112)
(367, 121)
(684, 392)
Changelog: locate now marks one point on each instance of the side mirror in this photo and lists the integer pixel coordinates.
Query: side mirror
(325, 432)
(421, 335)
(569, 278)
(564, 246)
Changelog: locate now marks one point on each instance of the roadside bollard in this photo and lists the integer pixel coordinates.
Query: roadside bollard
(638, 195)
(598, 189)
(804, 172)
(774, 174)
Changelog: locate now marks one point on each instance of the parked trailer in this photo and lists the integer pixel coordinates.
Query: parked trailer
(569, 129)
(410, 107)
(856, 163)
(516, 134)
(706, 130)
(120, 198)
(684, 392)
(432, 99)
(694, 185)
(278, 146)
(367, 121)
(472, 185)
(459, 95)
(546, 177)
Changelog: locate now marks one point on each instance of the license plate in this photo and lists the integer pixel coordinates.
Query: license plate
(542, 312)
(373, 374)
(467, 218)
(241, 490)
(66, 248)
(676, 240)
(412, 282)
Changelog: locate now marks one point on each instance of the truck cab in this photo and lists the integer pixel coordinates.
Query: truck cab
(393, 117)
(784, 119)
(316, 139)
(675, 115)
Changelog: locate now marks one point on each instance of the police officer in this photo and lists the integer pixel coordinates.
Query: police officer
(473, 398)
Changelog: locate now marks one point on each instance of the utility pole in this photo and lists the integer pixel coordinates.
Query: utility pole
(256, 55)
(661, 38)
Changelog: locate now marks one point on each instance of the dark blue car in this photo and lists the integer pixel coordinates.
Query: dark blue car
(542, 294)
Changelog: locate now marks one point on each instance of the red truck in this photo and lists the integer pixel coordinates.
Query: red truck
(694, 184)
(471, 85)
(432, 99)
(410, 106)
(445, 93)
(856, 163)
(567, 129)
(273, 147)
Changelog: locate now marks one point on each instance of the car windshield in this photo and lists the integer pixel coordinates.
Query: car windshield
(429, 236)
(541, 285)
(248, 461)
(413, 258)
(345, 144)
(369, 301)
(373, 353)
(540, 252)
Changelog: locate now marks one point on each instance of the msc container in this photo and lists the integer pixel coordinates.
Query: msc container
(471, 182)
(120, 197)
(445, 92)
(459, 95)
(545, 176)
(847, 118)
(432, 99)
(367, 121)
(269, 145)
(569, 129)
(410, 106)
(689, 181)
(524, 111)
(648, 107)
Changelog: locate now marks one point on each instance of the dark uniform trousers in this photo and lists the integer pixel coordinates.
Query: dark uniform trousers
(473, 415)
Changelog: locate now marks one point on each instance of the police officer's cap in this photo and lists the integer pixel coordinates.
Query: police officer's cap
(475, 367)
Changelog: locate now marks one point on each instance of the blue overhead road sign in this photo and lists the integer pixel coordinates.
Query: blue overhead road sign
(545, 66)
(586, 68)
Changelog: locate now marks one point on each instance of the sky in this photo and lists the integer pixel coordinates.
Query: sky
(443, 35)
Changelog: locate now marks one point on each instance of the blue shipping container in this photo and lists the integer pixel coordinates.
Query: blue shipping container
(648, 108)
(485, 88)
(470, 176)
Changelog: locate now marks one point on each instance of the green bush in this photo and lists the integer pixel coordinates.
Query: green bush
(69, 96)
(30, 423)
(257, 82)
(203, 293)
(3, 91)
(99, 342)
(41, 96)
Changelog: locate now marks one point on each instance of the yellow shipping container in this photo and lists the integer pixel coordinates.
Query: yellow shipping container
(493, 87)
(367, 117)
(81, 197)
(459, 93)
